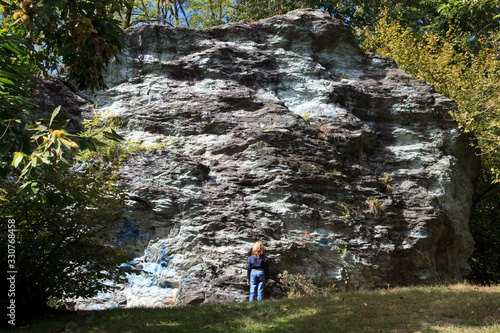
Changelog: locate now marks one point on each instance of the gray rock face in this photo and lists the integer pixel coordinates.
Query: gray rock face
(348, 169)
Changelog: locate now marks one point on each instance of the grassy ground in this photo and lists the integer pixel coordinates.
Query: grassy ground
(458, 308)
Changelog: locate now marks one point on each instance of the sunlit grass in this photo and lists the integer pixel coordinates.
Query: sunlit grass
(456, 308)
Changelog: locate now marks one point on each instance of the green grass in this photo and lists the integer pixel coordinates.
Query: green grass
(457, 308)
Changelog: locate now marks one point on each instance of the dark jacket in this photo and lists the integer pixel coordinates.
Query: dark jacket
(258, 263)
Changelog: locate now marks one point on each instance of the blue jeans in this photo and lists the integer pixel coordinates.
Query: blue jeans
(257, 281)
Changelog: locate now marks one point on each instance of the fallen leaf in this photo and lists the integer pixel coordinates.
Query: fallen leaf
(264, 314)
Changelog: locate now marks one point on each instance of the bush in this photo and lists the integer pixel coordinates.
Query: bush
(60, 217)
(60, 249)
(298, 285)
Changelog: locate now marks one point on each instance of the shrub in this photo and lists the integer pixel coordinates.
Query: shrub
(298, 285)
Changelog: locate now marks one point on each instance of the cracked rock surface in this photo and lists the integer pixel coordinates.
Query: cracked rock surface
(348, 169)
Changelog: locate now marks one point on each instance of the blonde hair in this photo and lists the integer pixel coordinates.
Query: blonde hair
(258, 249)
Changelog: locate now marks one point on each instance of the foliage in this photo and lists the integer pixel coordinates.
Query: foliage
(45, 166)
(62, 214)
(386, 179)
(484, 226)
(465, 68)
(346, 207)
(101, 129)
(254, 10)
(358, 13)
(470, 77)
(60, 211)
(83, 35)
(15, 73)
(59, 246)
(105, 144)
(375, 207)
(208, 13)
(475, 17)
(306, 116)
(165, 12)
(298, 285)
(348, 264)
(35, 37)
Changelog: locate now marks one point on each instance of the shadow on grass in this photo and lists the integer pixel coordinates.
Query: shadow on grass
(429, 310)
(424, 309)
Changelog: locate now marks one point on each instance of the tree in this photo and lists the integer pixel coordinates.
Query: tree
(60, 244)
(61, 212)
(208, 13)
(467, 69)
(37, 38)
(82, 35)
(472, 16)
(254, 10)
(167, 12)
(460, 66)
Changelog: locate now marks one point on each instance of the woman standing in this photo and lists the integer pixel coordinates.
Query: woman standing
(257, 271)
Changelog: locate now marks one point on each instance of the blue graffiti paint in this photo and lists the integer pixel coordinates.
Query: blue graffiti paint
(131, 235)
(324, 242)
(128, 266)
(127, 233)
(163, 249)
(150, 280)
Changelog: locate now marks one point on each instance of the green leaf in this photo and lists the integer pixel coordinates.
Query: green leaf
(18, 158)
(22, 189)
(113, 136)
(58, 148)
(64, 161)
(61, 124)
(6, 81)
(35, 127)
(34, 161)
(87, 144)
(25, 170)
(35, 187)
(54, 114)
(39, 134)
(5, 150)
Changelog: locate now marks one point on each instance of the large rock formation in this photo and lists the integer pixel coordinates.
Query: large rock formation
(348, 169)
